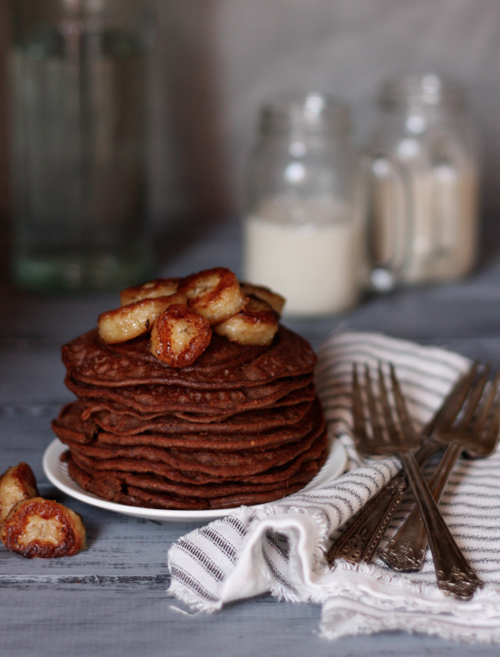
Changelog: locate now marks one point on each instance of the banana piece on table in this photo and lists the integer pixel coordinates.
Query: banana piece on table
(179, 336)
(158, 287)
(134, 319)
(16, 484)
(276, 301)
(256, 324)
(214, 293)
(43, 528)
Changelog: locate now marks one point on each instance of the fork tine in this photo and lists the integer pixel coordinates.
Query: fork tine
(401, 408)
(493, 432)
(359, 425)
(387, 412)
(473, 400)
(447, 414)
(375, 419)
(484, 413)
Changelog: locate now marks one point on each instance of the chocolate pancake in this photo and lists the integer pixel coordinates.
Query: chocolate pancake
(246, 422)
(113, 488)
(222, 355)
(240, 425)
(299, 396)
(69, 424)
(223, 365)
(168, 399)
(162, 485)
(83, 417)
(69, 427)
(244, 462)
(155, 492)
(196, 477)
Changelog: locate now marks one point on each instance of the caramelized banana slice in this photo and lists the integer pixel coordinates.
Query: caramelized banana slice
(179, 336)
(130, 321)
(43, 528)
(256, 324)
(16, 484)
(159, 287)
(214, 293)
(276, 301)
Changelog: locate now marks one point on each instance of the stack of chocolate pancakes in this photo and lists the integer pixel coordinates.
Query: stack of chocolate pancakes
(241, 425)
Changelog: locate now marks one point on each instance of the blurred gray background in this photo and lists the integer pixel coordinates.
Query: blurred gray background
(216, 61)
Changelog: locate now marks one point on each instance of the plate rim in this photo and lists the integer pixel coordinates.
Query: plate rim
(53, 468)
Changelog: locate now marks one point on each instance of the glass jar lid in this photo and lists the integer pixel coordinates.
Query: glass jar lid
(309, 112)
(428, 90)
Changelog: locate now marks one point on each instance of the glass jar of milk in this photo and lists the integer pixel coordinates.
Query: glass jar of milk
(424, 175)
(301, 235)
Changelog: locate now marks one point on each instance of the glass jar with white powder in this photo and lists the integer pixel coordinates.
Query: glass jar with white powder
(424, 172)
(301, 233)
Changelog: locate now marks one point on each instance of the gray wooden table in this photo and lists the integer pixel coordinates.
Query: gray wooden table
(110, 600)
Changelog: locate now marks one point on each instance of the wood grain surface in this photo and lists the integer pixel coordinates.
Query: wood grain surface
(111, 600)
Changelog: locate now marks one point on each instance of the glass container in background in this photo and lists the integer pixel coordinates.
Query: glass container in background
(301, 233)
(79, 115)
(424, 172)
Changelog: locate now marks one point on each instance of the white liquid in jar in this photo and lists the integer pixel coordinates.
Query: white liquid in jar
(306, 250)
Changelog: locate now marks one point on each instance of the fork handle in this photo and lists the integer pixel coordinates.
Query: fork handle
(405, 552)
(360, 540)
(453, 573)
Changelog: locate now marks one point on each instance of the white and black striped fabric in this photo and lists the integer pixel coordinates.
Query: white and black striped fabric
(280, 547)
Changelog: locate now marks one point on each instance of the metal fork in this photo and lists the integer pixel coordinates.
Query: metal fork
(359, 541)
(477, 433)
(393, 434)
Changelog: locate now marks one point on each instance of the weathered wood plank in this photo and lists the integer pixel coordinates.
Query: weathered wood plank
(110, 600)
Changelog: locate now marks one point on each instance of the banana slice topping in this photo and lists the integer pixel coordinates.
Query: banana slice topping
(42, 528)
(16, 484)
(180, 314)
(179, 336)
(256, 324)
(214, 293)
(159, 287)
(276, 301)
(134, 319)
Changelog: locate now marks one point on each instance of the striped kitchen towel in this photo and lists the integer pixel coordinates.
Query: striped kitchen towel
(280, 547)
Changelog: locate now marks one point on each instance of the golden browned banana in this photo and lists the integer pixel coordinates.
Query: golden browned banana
(134, 319)
(179, 336)
(214, 293)
(43, 528)
(158, 287)
(276, 301)
(256, 324)
(16, 484)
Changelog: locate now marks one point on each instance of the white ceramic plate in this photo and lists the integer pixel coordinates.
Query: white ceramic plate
(57, 472)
